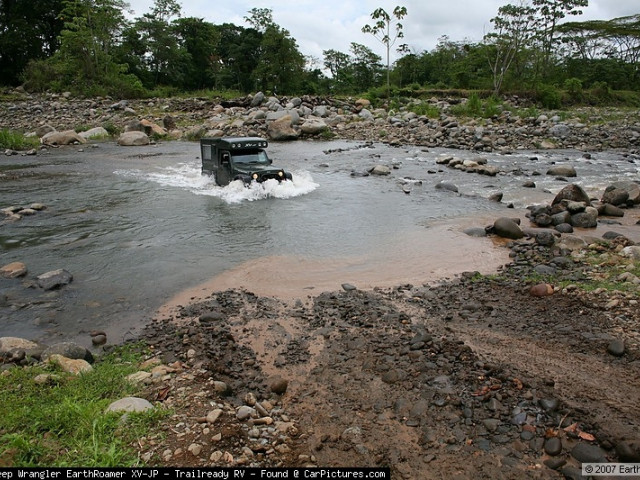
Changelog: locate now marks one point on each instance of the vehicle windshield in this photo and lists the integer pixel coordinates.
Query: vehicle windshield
(251, 156)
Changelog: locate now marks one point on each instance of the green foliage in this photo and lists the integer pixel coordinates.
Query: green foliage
(573, 86)
(477, 107)
(29, 30)
(16, 141)
(424, 108)
(549, 96)
(63, 422)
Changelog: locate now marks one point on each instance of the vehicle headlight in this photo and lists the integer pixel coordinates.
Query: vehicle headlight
(281, 173)
(255, 176)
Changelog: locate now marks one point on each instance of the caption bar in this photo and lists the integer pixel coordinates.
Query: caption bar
(611, 469)
(187, 473)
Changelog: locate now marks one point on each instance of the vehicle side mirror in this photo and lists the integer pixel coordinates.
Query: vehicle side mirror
(225, 158)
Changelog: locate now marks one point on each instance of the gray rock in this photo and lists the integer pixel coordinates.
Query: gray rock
(586, 453)
(245, 413)
(553, 446)
(629, 451)
(632, 189)
(380, 170)
(54, 279)
(574, 193)
(616, 348)
(62, 138)
(133, 139)
(562, 171)
(476, 232)
(258, 99)
(586, 219)
(507, 228)
(564, 228)
(545, 238)
(450, 187)
(282, 129)
(69, 350)
(610, 210)
(615, 196)
(130, 404)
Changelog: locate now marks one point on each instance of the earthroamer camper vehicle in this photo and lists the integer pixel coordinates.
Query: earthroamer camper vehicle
(238, 158)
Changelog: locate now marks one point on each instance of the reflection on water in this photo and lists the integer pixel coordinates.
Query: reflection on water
(136, 226)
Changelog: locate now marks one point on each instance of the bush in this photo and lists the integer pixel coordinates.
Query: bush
(16, 141)
(573, 86)
(549, 96)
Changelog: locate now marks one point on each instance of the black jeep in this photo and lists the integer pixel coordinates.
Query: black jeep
(238, 158)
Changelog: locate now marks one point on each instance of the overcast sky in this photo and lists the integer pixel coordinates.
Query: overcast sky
(319, 25)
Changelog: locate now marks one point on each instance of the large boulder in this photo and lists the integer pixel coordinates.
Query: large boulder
(507, 228)
(67, 137)
(313, 126)
(572, 192)
(68, 350)
(282, 129)
(98, 132)
(586, 219)
(8, 344)
(615, 196)
(632, 189)
(133, 139)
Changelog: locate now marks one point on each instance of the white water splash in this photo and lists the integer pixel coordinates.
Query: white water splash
(188, 177)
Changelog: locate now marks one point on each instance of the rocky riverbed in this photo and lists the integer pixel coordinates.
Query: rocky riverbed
(479, 377)
(518, 126)
(521, 374)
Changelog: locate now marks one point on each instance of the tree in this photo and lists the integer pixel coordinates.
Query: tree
(549, 14)
(236, 57)
(85, 61)
(281, 65)
(198, 41)
(163, 54)
(382, 31)
(512, 34)
(29, 30)
(340, 66)
(366, 67)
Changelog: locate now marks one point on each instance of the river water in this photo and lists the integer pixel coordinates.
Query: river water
(140, 227)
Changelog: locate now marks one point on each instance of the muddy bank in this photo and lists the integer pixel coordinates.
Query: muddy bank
(472, 377)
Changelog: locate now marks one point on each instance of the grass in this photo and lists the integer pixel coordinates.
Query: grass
(63, 423)
(16, 141)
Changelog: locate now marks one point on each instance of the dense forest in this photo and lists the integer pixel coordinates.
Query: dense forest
(90, 48)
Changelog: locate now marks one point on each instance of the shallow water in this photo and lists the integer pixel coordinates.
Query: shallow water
(138, 226)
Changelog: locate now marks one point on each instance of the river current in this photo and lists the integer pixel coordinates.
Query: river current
(139, 226)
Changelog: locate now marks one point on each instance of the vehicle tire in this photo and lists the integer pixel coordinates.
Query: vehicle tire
(288, 176)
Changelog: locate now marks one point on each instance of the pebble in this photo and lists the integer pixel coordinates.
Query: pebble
(213, 415)
(553, 446)
(616, 348)
(245, 412)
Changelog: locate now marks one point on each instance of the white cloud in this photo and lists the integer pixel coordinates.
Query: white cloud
(335, 24)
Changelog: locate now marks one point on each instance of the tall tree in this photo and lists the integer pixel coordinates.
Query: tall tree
(340, 66)
(549, 14)
(198, 40)
(163, 53)
(29, 30)
(366, 67)
(512, 34)
(387, 30)
(281, 65)
(85, 61)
